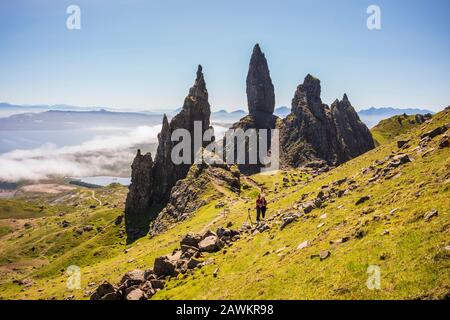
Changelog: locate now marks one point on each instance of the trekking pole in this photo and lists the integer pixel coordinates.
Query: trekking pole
(249, 217)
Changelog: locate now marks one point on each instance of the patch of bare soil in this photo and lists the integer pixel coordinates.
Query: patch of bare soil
(47, 188)
(7, 194)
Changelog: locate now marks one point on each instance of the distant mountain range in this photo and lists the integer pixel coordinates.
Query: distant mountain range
(372, 116)
(66, 120)
(67, 116)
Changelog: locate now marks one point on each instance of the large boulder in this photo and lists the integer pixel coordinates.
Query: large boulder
(135, 294)
(191, 239)
(105, 291)
(134, 277)
(164, 266)
(210, 242)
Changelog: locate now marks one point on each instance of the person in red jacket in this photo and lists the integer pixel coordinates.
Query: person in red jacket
(258, 208)
(263, 206)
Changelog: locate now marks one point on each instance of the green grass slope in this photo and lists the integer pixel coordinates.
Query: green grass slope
(387, 130)
(388, 231)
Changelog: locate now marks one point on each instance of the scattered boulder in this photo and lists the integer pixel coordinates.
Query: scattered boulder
(65, 224)
(157, 284)
(303, 245)
(402, 143)
(111, 296)
(88, 228)
(288, 219)
(308, 207)
(135, 294)
(210, 243)
(191, 239)
(105, 291)
(399, 160)
(362, 200)
(324, 254)
(193, 263)
(164, 266)
(225, 233)
(118, 220)
(430, 215)
(435, 132)
(262, 226)
(444, 143)
(135, 277)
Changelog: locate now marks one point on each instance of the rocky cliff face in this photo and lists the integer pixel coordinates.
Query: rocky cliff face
(188, 194)
(195, 108)
(260, 92)
(314, 132)
(153, 181)
(354, 136)
(140, 195)
(261, 104)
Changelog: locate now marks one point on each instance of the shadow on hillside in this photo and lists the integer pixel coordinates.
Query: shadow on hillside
(139, 226)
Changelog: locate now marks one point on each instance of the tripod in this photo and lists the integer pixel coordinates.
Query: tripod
(249, 217)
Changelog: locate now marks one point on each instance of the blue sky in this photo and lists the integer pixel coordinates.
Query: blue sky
(143, 54)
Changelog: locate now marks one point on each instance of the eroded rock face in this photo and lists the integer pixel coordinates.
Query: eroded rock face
(261, 104)
(185, 197)
(313, 131)
(260, 91)
(195, 108)
(152, 182)
(354, 136)
(140, 196)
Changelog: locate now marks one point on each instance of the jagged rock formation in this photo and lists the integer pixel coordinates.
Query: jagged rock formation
(188, 194)
(261, 104)
(316, 133)
(260, 92)
(140, 196)
(152, 182)
(195, 108)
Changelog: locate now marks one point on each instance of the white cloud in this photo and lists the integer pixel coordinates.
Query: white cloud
(103, 155)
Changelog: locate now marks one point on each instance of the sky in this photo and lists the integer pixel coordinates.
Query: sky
(142, 55)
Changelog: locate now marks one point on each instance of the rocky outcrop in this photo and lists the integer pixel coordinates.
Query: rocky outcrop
(260, 91)
(186, 196)
(195, 108)
(315, 132)
(140, 196)
(354, 136)
(152, 182)
(142, 285)
(261, 104)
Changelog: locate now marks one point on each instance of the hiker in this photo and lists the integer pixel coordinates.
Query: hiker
(263, 206)
(258, 207)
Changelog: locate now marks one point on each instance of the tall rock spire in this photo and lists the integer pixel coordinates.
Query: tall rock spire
(140, 196)
(195, 108)
(260, 91)
(198, 90)
(153, 181)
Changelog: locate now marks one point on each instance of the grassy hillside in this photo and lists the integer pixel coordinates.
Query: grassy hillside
(388, 129)
(389, 231)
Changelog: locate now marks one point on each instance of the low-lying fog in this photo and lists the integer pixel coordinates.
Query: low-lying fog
(107, 151)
